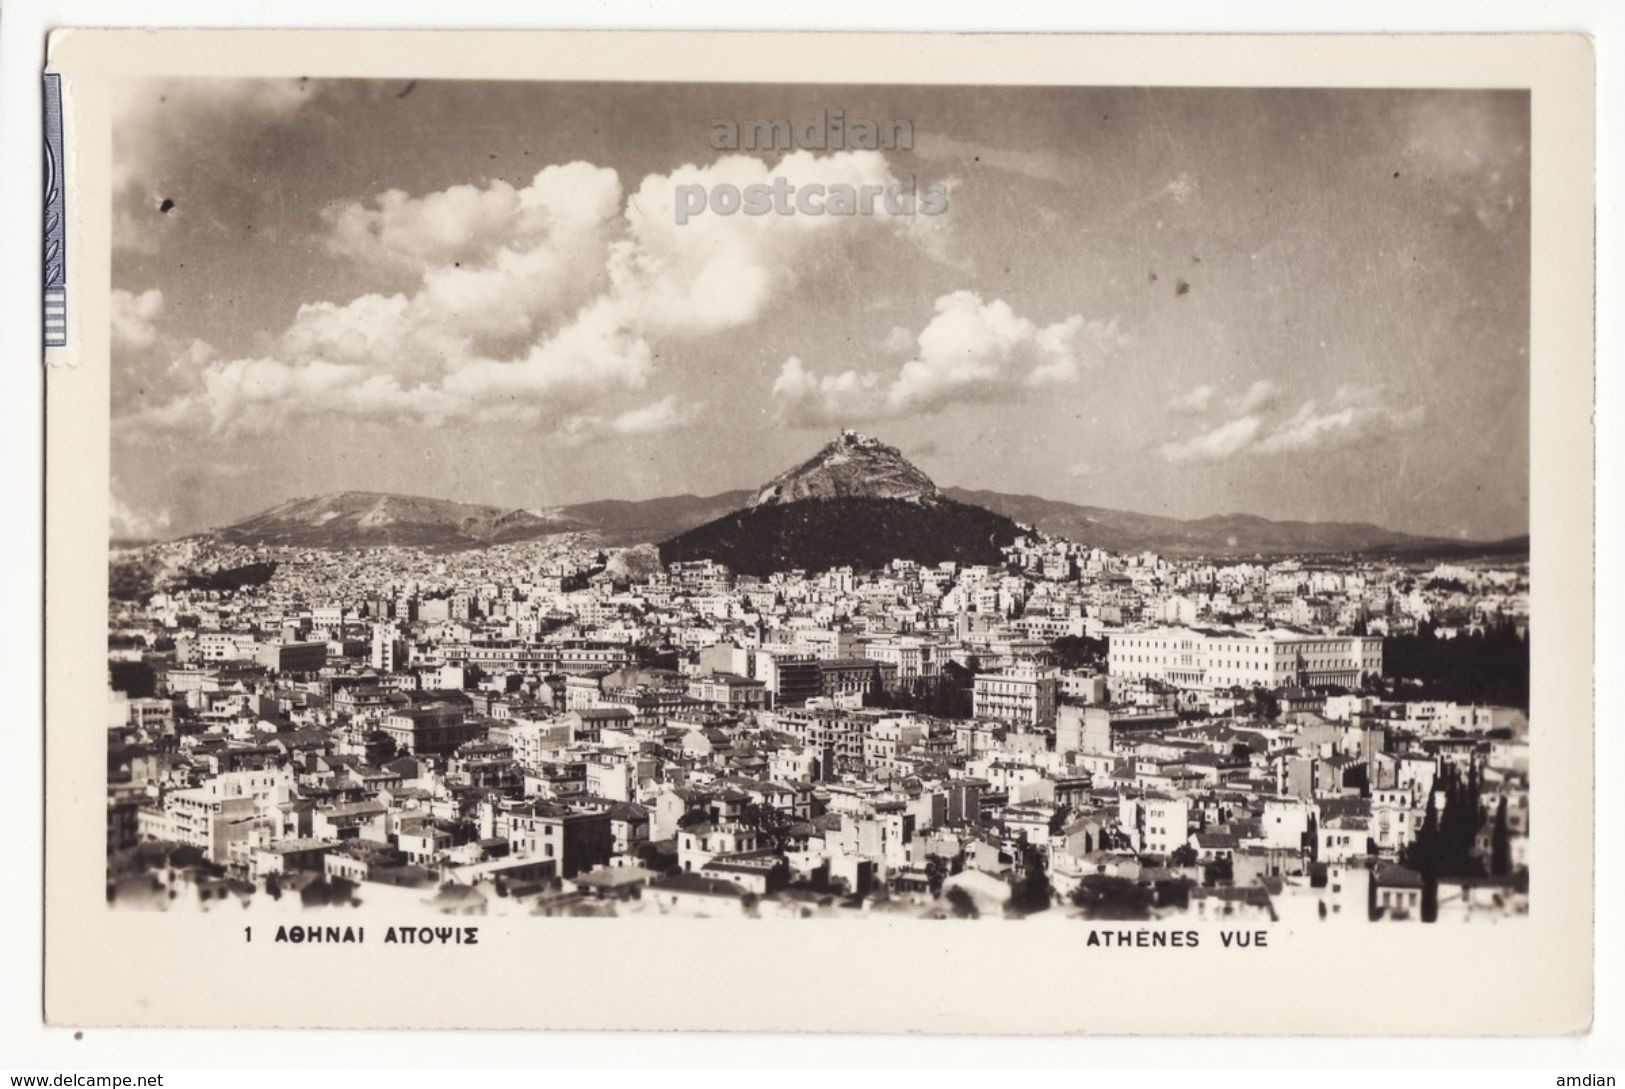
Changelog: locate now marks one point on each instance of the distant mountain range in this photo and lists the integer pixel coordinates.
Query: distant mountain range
(372, 519)
(1228, 535)
(808, 510)
(379, 519)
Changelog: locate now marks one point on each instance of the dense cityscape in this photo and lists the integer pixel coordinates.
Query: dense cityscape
(559, 727)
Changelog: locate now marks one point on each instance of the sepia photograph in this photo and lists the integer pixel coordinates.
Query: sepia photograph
(991, 528)
(839, 501)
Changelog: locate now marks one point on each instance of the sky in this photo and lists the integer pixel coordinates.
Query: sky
(1307, 304)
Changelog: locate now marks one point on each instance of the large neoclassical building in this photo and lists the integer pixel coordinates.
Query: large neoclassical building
(1224, 657)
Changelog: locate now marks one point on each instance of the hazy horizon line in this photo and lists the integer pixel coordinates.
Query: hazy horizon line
(509, 507)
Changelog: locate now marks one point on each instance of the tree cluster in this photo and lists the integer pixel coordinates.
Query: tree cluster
(1444, 846)
(1487, 667)
(773, 823)
(1032, 891)
(948, 696)
(1078, 652)
(1102, 896)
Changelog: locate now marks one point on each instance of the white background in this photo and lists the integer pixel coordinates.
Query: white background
(26, 1044)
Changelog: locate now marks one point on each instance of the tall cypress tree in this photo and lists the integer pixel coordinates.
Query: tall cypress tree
(1033, 891)
(1444, 783)
(1453, 849)
(1475, 807)
(1500, 843)
(1424, 859)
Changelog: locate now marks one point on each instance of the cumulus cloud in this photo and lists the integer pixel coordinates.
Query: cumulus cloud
(1216, 443)
(149, 365)
(808, 399)
(1355, 414)
(970, 350)
(1262, 394)
(970, 345)
(255, 393)
(899, 340)
(715, 272)
(532, 302)
(1352, 415)
(473, 223)
(667, 414)
(135, 317)
(1197, 399)
(496, 264)
(595, 351)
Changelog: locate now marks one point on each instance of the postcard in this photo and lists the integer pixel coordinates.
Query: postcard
(819, 532)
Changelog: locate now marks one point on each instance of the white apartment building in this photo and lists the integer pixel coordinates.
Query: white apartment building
(153, 715)
(825, 642)
(532, 740)
(915, 658)
(227, 809)
(390, 652)
(1157, 823)
(886, 739)
(1023, 695)
(1219, 657)
(1050, 627)
(226, 646)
